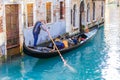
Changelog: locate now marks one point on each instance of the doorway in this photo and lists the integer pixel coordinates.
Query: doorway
(12, 29)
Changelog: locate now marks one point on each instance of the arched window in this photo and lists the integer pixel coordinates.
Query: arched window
(88, 12)
(102, 9)
(82, 7)
(93, 10)
(74, 14)
(81, 13)
(71, 16)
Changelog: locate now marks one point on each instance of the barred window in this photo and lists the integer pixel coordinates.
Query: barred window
(61, 10)
(48, 12)
(30, 14)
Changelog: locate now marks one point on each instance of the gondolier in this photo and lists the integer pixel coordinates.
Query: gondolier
(36, 31)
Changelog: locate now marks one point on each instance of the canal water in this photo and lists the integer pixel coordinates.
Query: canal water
(98, 59)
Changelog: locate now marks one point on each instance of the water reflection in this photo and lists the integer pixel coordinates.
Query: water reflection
(112, 39)
(98, 59)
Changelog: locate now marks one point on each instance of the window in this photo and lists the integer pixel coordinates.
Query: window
(1, 30)
(1, 19)
(74, 15)
(102, 10)
(71, 15)
(93, 10)
(61, 10)
(30, 14)
(88, 13)
(48, 12)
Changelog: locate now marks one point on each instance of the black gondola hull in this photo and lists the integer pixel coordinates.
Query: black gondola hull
(38, 54)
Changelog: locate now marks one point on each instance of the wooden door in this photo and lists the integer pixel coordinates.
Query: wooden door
(12, 28)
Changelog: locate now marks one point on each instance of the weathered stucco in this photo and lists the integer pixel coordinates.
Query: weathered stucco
(2, 38)
(56, 27)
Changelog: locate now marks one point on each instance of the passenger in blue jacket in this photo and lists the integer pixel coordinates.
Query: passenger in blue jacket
(36, 31)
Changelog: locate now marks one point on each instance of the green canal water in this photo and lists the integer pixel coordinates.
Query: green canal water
(98, 59)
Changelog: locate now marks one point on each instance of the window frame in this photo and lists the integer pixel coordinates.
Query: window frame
(30, 16)
(61, 10)
(102, 9)
(50, 11)
(94, 11)
(88, 12)
(74, 15)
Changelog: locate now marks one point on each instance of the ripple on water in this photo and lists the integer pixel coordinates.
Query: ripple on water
(98, 59)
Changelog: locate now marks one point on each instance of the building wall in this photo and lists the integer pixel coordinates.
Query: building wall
(56, 27)
(2, 38)
(90, 22)
(77, 3)
(98, 17)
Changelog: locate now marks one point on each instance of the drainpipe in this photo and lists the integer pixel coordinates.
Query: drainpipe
(68, 17)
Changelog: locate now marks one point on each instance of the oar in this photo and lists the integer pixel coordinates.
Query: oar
(65, 63)
(56, 47)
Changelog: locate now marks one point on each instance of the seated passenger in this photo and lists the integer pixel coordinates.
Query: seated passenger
(70, 42)
(58, 38)
(58, 44)
(51, 45)
(74, 40)
(65, 42)
(82, 37)
(79, 38)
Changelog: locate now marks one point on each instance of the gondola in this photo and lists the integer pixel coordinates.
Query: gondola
(39, 53)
